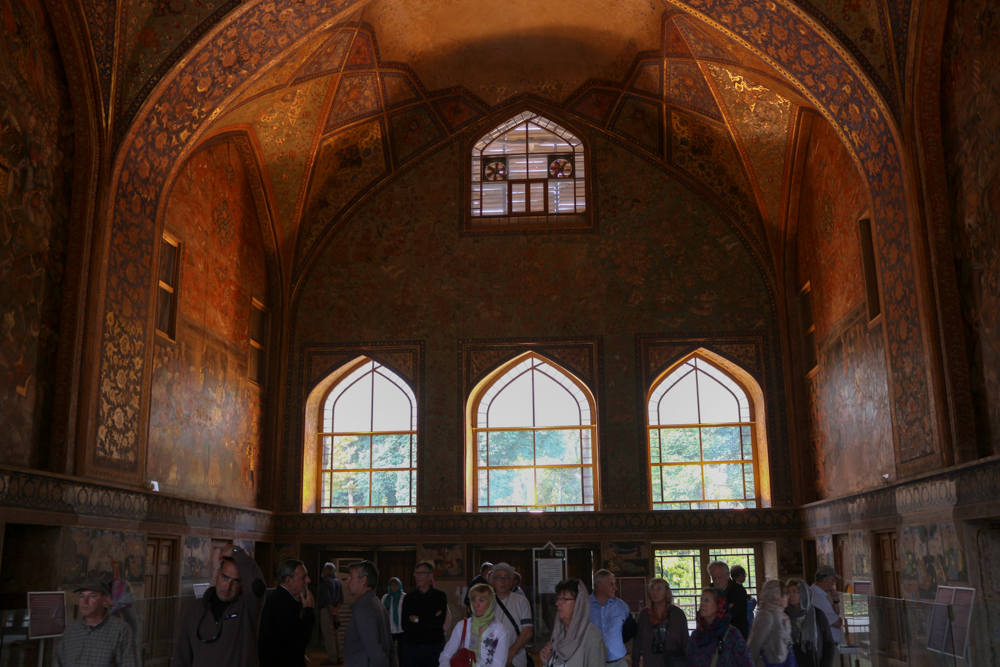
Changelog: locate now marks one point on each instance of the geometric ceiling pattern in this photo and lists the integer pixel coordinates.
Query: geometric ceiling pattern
(333, 121)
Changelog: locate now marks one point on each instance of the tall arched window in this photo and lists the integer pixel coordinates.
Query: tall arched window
(368, 443)
(533, 432)
(702, 440)
(528, 171)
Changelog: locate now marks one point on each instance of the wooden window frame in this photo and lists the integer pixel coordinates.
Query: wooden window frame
(164, 288)
(321, 507)
(751, 424)
(260, 346)
(475, 429)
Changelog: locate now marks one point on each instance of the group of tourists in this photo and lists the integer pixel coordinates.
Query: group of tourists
(235, 624)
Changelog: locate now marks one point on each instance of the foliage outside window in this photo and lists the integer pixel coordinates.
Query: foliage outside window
(686, 570)
(534, 435)
(701, 440)
(528, 171)
(368, 443)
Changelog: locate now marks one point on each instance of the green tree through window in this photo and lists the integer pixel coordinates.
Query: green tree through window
(368, 443)
(534, 439)
(701, 440)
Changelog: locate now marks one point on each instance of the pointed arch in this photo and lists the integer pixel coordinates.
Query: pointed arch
(532, 439)
(528, 172)
(706, 439)
(361, 426)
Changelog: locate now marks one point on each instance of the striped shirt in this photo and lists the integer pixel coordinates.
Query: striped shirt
(107, 644)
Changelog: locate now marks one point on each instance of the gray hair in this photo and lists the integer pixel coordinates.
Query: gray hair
(287, 569)
(367, 570)
(718, 563)
(329, 569)
(602, 575)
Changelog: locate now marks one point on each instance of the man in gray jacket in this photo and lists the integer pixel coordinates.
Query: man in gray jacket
(367, 642)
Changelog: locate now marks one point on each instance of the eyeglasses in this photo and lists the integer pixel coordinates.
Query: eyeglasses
(565, 599)
(422, 572)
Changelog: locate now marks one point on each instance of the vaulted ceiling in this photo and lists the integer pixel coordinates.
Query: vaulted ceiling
(353, 93)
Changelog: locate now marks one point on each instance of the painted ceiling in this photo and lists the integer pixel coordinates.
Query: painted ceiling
(399, 77)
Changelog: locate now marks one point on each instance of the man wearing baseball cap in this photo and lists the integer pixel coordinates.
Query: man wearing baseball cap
(514, 612)
(826, 598)
(97, 639)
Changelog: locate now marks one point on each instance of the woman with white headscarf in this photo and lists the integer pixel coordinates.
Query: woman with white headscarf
(811, 637)
(770, 641)
(575, 641)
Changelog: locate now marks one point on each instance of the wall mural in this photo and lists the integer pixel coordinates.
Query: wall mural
(931, 555)
(35, 163)
(89, 553)
(205, 416)
(971, 121)
(377, 281)
(848, 397)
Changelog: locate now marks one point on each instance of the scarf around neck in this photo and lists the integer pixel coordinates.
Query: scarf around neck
(707, 633)
(773, 622)
(391, 601)
(480, 623)
(804, 631)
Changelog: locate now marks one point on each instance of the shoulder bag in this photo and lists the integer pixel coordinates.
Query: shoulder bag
(517, 629)
(463, 657)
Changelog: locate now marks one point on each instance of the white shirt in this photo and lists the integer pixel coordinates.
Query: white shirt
(396, 628)
(492, 646)
(520, 609)
(822, 602)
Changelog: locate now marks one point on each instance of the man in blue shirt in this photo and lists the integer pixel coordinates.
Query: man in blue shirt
(609, 614)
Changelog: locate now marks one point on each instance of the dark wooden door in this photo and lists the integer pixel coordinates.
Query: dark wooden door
(160, 609)
(889, 611)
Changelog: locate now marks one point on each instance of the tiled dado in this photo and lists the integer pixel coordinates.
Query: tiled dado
(964, 492)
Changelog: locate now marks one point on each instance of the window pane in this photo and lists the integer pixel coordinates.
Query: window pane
(538, 166)
(164, 303)
(681, 482)
(723, 481)
(391, 489)
(562, 196)
(517, 167)
(679, 444)
(484, 488)
(654, 446)
(509, 448)
(679, 405)
(352, 411)
(351, 451)
(512, 406)
(721, 443)
(747, 442)
(512, 487)
(555, 447)
(391, 451)
(751, 487)
(348, 489)
(554, 404)
(168, 261)
(327, 458)
(538, 197)
(494, 198)
(482, 444)
(559, 486)
(517, 198)
(510, 142)
(393, 409)
(718, 405)
(656, 475)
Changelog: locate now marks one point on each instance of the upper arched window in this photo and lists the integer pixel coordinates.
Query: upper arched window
(368, 443)
(533, 431)
(528, 172)
(702, 439)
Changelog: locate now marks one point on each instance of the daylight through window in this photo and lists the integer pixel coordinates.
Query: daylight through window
(526, 171)
(534, 434)
(701, 440)
(368, 443)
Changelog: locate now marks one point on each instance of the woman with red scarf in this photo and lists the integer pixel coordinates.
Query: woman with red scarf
(716, 643)
(662, 635)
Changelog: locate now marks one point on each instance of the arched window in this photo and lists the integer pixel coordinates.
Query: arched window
(702, 440)
(533, 431)
(368, 443)
(528, 171)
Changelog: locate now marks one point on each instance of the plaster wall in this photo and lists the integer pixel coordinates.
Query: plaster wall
(35, 169)
(662, 260)
(205, 414)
